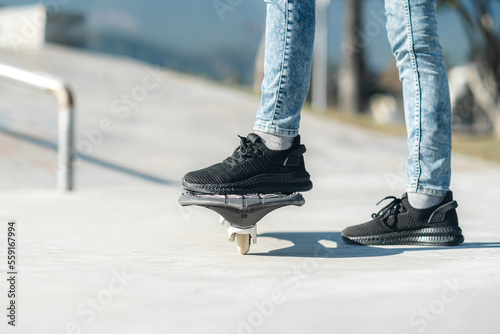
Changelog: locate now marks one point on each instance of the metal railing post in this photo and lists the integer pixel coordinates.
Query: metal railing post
(60, 89)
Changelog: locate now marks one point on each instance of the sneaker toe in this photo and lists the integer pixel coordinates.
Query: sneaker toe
(361, 230)
(190, 177)
(351, 231)
(216, 174)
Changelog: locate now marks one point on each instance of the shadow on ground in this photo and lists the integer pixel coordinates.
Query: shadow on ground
(330, 245)
(96, 161)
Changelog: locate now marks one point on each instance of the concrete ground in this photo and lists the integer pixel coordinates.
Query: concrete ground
(119, 255)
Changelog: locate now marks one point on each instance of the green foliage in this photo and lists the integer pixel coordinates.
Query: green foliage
(448, 3)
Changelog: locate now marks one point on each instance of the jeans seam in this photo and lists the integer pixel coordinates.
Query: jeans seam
(418, 112)
(283, 67)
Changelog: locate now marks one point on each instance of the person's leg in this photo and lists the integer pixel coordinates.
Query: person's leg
(413, 34)
(271, 160)
(426, 215)
(290, 26)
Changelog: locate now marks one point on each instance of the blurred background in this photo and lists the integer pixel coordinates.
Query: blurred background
(220, 40)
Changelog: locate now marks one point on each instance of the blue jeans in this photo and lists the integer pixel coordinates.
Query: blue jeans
(412, 32)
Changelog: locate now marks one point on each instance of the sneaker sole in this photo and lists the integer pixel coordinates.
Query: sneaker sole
(260, 184)
(432, 236)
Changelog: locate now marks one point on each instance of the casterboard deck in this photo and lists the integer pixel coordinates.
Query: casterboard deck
(242, 212)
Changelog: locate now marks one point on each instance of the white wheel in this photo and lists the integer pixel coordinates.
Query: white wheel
(243, 243)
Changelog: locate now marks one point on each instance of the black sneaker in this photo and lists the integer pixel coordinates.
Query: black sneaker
(398, 223)
(252, 169)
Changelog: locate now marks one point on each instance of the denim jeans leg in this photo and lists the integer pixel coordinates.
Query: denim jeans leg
(290, 27)
(413, 34)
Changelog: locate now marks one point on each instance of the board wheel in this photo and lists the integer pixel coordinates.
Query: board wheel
(243, 243)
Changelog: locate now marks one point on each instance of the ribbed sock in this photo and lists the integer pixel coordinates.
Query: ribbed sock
(276, 142)
(423, 201)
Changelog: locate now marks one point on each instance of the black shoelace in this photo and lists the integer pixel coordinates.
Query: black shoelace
(246, 149)
(393, 208)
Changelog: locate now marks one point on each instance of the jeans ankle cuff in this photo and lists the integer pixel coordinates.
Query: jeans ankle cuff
(427, 191)
(275, 130)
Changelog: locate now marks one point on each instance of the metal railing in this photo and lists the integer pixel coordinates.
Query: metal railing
(59, 88)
